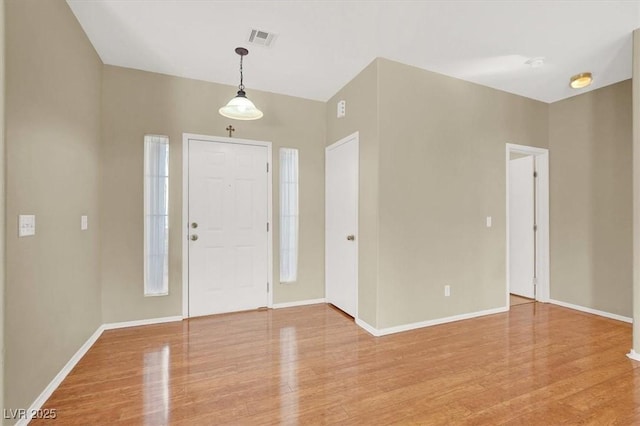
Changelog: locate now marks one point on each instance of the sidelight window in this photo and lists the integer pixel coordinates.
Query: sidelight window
(156, 215)
(288, 215)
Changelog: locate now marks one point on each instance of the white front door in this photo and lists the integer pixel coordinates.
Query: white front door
(341, 223)
(228, 237)
(521, 227)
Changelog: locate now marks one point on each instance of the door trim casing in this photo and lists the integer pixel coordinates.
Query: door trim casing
(185, 211)
(542, 218)
(356, 138)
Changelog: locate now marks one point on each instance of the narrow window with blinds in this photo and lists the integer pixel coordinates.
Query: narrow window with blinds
(288, 215)
(156, 215)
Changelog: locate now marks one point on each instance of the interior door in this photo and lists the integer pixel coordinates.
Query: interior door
(341, 217)
(228, 240)
(521, 227)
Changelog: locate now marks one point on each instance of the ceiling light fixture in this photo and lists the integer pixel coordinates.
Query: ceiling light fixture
(581, 80)
(240, 107)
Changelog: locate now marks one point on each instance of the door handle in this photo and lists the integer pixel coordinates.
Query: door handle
(351, 237)
(194, 237)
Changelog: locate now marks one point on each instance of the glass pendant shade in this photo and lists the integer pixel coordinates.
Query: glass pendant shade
(240, 108)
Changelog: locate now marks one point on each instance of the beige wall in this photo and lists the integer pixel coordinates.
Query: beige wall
(591, 199)
(136, 103)
(429, 175)
(53, 80)
(442, 171)
(361, 96)
(432, 173)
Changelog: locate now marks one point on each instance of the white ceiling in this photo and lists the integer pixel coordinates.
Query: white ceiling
(322, 45)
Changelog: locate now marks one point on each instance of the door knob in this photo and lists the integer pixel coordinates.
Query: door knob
(194, 225)
(194, 237)
(351, 237)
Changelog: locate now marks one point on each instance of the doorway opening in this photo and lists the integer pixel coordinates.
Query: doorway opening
(527, 224)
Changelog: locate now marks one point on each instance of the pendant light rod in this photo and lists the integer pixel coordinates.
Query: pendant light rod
(242, 52)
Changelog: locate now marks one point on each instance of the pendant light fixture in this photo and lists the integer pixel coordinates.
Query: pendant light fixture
(240, 107)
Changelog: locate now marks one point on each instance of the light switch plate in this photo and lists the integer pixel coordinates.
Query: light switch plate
(84, 223)
(26, 225)
(488, 221)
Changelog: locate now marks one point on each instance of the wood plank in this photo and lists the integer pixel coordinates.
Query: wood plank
(538, 363)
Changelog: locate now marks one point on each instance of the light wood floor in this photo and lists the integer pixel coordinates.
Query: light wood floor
(538, 364)
(518, 300)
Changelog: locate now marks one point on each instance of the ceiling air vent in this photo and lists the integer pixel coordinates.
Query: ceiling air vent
(262, 38)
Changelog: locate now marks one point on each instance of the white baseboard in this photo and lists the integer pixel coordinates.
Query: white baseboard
(137, 323)
(591, 311)
(53, 385)
(412, 326)
(298, 303)
(634, 355)
(368, 327)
